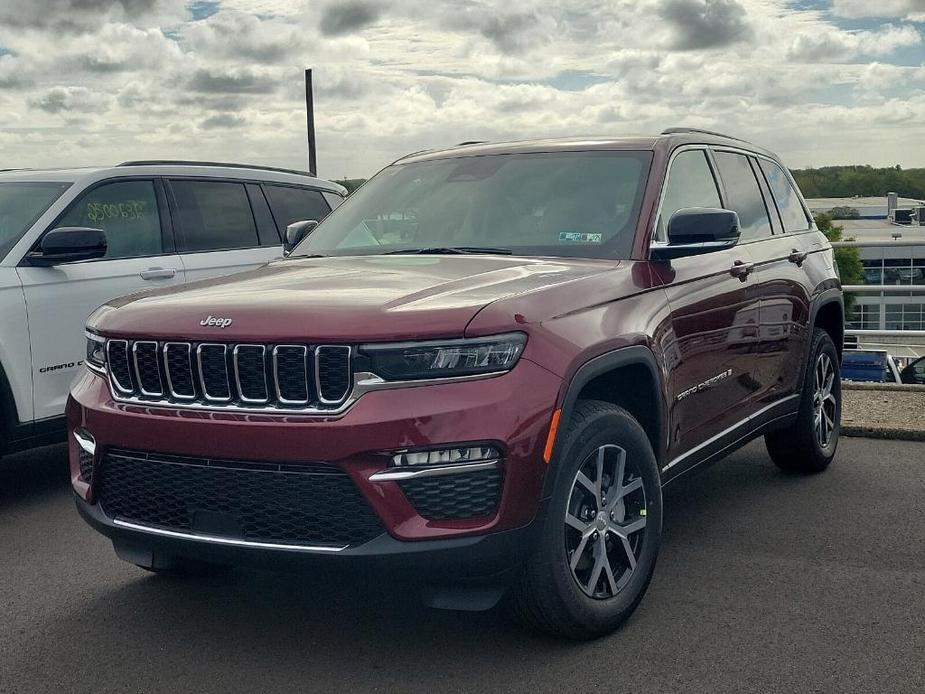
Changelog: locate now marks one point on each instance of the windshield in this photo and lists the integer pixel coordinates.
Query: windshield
(579, 204)
(20, 205)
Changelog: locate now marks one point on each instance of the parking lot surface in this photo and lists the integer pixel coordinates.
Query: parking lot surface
(765, 583)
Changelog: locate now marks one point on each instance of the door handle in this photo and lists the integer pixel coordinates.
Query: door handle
(158, 273)
(741, 269)
(797, 257)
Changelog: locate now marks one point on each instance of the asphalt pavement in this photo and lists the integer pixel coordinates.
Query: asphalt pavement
(765, 583)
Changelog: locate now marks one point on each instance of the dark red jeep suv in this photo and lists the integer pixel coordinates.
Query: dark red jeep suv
(479, 371)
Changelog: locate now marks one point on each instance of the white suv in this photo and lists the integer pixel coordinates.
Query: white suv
(73, 239)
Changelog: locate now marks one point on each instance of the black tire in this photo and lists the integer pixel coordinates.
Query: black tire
(182, 567)
(547, 595)
(798, 449)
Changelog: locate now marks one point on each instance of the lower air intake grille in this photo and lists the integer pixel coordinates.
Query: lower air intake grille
(311, 504)
(455, 496)
(85, 461)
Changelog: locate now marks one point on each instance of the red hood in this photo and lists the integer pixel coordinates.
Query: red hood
(340, 299)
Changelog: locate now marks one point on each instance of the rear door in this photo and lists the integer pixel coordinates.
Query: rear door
(783, 284)
(59, 299)
(223, 226)
(714, 318)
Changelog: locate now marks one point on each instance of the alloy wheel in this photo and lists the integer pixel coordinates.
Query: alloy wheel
(825, 407)
(604, 520)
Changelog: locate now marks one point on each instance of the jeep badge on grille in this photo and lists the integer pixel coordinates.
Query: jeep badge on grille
(216, 322)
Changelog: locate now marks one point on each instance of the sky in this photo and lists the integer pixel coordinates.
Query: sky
(96, 82)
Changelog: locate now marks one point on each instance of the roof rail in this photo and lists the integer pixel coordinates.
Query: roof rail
(700, 131)
(183, 162)
(471, 142)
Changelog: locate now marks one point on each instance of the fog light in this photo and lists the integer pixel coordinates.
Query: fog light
(446, 456)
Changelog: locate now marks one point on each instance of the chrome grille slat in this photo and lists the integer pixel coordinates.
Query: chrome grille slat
(147, 368)
(332, 373)
(252, 387)
(212, 359)
(120, 372)
(290, 374)
(178, 366)
(248, 377)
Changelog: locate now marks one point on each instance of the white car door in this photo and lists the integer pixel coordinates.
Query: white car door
(223, 226)
(59, 299)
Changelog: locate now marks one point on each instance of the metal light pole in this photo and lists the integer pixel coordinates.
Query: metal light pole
(310, 121)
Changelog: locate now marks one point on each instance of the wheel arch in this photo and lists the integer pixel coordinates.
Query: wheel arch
(829, 314)
(597, 379)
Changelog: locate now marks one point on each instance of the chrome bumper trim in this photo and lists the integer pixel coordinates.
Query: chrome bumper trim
(217, 540)
(85, 441)
(398, 474)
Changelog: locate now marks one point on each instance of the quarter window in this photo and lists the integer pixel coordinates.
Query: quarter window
(127, 213)
(744, 195)
(295, 205)
(791, 210)
(214, 215)
(690, 184)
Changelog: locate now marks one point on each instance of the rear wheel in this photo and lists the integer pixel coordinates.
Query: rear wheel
(602, 530)
(809, 444)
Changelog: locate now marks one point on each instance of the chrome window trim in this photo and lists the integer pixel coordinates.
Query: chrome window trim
(279, 395)
(141, 387)
(237, 374)
(405, 472)
(656, 242)
(202, 379)
(114, 381)
(189, 359)
(323, 400)
(218, 540)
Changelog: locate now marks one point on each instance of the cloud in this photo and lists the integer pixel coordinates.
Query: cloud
(234, 81)
(222, 120)
(237, 36)
(834, 44)
(80, 15)
(72, 100)
(702, 24)
(348, 17)
(902, 9)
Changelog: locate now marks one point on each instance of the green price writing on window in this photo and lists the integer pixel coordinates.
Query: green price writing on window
(128, 209)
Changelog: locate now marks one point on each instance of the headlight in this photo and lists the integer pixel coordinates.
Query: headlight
(96, 351)
(446, 358)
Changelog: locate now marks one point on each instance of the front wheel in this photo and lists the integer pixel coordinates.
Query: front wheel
(808, 445)
(602, 531)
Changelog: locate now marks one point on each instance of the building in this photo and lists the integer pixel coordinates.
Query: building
(895, 270)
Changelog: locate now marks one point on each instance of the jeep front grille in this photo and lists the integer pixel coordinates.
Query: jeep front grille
(238, 375)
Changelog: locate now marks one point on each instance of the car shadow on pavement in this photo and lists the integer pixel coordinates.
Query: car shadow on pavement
(34, 475)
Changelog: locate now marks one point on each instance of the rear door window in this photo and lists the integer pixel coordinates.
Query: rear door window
(744, 195)
(690, 184)
(792, 214)
(214, 215)
(291, 204)
(127, 213)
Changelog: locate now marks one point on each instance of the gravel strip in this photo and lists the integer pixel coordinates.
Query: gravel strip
(884, 412)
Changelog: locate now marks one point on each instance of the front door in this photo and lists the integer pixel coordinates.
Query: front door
(714, 320)
(59, 299)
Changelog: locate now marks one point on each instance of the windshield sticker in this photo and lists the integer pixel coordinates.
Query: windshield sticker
(579, 237)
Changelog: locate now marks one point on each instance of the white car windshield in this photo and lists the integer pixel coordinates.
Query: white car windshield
(21, 203)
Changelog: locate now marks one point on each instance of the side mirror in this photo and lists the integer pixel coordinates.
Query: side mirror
(698, 230)
(296, 233)
(69, 244)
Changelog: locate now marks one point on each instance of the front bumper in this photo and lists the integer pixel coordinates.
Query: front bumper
(512, 410)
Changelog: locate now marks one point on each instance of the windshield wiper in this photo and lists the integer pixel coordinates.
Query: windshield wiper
(451, 250)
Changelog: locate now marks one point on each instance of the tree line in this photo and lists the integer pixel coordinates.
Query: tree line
(867, 181)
